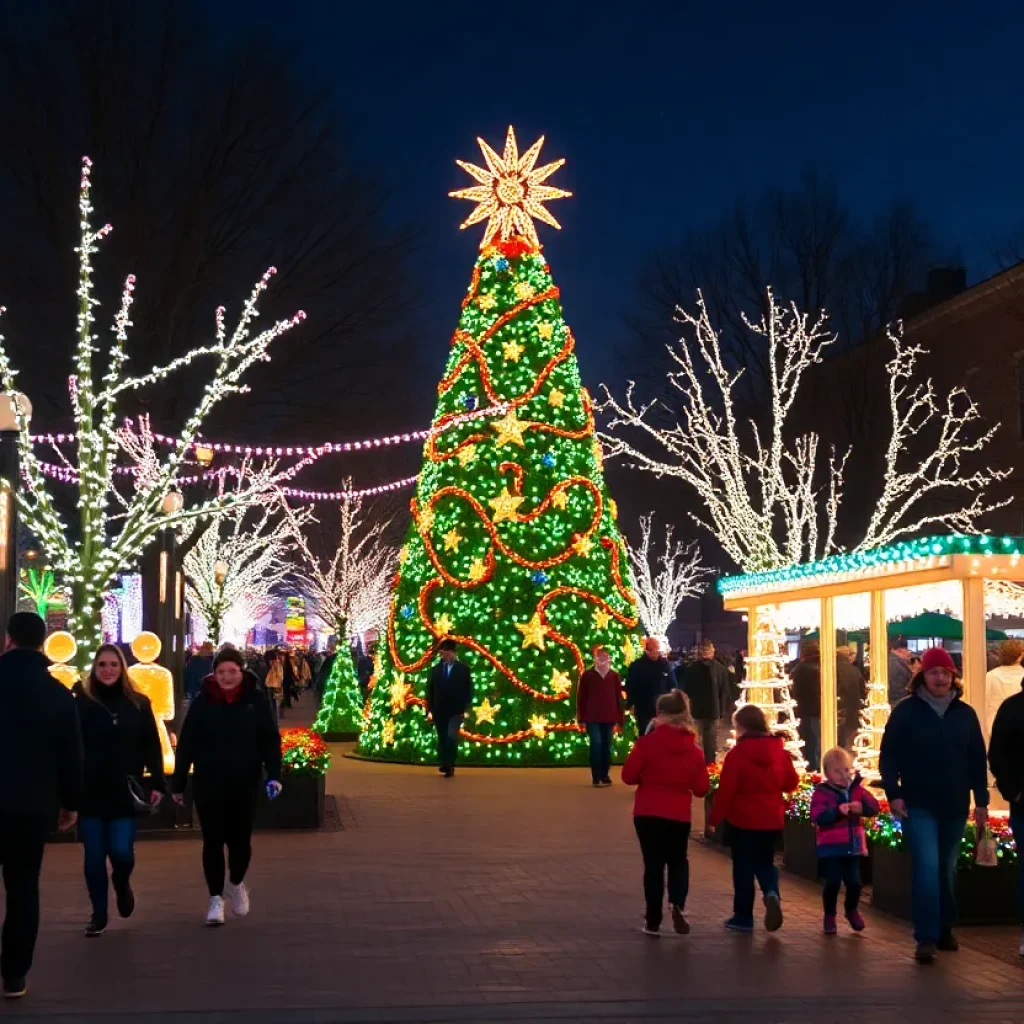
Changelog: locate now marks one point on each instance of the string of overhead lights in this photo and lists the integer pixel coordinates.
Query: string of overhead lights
(205, 450)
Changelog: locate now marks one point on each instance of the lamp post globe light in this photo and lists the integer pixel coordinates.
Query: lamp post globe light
(11, 405)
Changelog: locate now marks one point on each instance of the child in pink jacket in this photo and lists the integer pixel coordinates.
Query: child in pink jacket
(838, 808)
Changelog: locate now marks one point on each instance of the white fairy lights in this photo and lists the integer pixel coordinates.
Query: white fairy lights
(88, 557)
(663, 580)
(766, 497)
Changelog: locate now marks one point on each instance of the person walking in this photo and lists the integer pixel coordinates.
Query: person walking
(806, 691)
(120, 740)
(41, 765)
(668, 771)
(229, 738)
(932, 758)
(751, 799)
(449, 693)
(1006, 759)
(646, 680)
(1004, 680)
(274, 681)
(599, 711)
(706, 683)
(851, 689)
(901, 671)
(839, 806)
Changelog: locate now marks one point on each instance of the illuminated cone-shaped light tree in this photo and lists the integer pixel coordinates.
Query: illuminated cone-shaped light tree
(514, 550)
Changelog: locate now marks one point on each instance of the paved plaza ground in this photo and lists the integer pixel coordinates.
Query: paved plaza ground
(500, 895)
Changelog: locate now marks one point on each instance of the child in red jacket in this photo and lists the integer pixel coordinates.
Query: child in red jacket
(668, 769)
(756, 775)
(838, 809)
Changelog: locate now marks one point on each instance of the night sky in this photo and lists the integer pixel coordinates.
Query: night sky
(667, 113)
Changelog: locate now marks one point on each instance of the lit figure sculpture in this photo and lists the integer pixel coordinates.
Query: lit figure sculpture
(157, 683)
(61, 648)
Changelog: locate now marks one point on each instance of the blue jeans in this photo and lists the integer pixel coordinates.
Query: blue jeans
(810, 733)
(934, 844)
(102, 839)
(1017, 825)
(753, 856)
(600, 734)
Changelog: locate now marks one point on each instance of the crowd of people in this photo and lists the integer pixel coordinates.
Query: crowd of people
(94, 753)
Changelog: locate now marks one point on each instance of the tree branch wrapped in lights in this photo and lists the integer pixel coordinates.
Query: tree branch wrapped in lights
(88, 557)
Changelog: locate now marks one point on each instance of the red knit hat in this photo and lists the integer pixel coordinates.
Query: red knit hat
(937, 657)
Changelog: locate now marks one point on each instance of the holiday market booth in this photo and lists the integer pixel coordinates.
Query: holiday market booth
(881, 592)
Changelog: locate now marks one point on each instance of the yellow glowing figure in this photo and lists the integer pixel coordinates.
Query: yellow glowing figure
(510, 194)
(61, 648)
(157, 683)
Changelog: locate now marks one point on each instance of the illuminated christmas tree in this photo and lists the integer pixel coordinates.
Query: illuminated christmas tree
(513, 551)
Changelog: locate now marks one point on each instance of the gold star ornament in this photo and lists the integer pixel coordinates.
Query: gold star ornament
(443, 625)
(538, 726)
(546, 331)
(561, 682)
(452, 540)
(601, 618)
(400, 691)
(387, 733)
(533, 632)
(477, 570)
(560, 499)
(511, 350)
(510, 193)
(486, 711)
(466, 455)
(506, 506)
(556, 399)
(510, 429)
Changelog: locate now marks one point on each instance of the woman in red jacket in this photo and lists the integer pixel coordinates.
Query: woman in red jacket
(599, 710)
(668, 769)
(750, 798)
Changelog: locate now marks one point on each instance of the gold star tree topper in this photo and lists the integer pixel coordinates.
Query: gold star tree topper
(510, 194)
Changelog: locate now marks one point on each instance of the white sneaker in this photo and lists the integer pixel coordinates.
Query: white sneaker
(238, 897)
(215, 915)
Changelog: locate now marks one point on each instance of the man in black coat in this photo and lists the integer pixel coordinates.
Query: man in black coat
(1006, 759)
(449, 692)
(41, 768)
(646, 680)
(706, 682)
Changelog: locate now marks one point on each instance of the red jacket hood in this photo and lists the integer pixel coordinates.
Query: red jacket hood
(755, 775)
(668, 770)
(670, 741)
(761, 750)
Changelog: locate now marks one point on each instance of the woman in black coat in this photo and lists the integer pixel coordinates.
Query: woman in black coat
(120, 740)
(229, 738)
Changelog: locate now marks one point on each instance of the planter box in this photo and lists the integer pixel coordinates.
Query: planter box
(983, 895)
(799, 853)
(300, 805)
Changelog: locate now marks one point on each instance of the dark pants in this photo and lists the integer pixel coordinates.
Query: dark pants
(837, 871)
(810, 733)
(753, 856)
(112, 838)
(708, 731)
(600, 734)
(447, 740)
(934, 845)
(1017, 825)
(663, 844)
(22, 838)
(643, 718)
(226, 822)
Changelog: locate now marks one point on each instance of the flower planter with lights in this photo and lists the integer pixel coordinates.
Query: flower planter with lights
(300, 804)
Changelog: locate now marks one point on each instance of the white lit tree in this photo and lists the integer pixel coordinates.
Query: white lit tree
(663, 579)
(770, 499)
(237, 561)
(113, 527)
(350, 591)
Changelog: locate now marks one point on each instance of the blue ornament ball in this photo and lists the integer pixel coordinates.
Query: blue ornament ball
(548, 459)
(539, 577)
(469, 401)
(501, 264)
(406, 611)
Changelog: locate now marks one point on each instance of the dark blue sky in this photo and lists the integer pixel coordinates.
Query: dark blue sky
(667, 113)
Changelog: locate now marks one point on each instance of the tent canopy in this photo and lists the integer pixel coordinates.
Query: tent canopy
(928, 624)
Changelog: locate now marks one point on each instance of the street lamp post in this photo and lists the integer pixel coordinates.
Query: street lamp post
(10, 467)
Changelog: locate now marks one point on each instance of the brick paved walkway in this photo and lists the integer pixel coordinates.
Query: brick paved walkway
(502, 895)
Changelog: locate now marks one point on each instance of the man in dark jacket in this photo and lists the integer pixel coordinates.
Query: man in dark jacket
(851, 689)
(1006, 759)
(199, 666)
(646, 680)
(706, 682)
(449, 692)
(806, 691)
(41, 765)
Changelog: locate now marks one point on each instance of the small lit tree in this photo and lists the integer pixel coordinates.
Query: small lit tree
(88, 557)
(350, 591)
(40, 587)
(662, 580)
